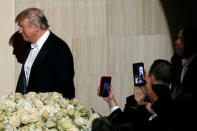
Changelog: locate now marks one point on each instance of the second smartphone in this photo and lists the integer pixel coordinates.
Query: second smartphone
(105, 84)
(138, 74)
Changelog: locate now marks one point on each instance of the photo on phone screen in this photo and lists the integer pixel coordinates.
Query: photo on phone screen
(105, 86)
(138, 73)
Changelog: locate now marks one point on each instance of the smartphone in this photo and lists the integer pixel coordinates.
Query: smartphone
(138, 73)
(105, 84)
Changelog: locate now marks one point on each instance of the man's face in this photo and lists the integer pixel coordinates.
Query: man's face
(28, 31)
(179, 44)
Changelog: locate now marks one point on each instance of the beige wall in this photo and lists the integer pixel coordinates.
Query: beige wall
(7, 60)
(106, 37)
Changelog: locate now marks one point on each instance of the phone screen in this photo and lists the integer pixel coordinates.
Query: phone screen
(138, 73)
(105, 86)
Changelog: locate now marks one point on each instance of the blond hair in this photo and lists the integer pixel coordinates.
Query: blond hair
(35, 17)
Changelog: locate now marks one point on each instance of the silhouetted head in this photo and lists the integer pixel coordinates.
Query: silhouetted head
(161, 70)
(186, 43)
(102, 124)
(19, 46)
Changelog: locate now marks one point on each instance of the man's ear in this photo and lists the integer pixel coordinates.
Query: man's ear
(37, 28)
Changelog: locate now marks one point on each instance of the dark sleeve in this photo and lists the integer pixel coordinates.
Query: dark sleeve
(166, 115)
(115, 117)
(159, 106)
(130, 103)
(63, 72)
(131, 119)
(165, 109)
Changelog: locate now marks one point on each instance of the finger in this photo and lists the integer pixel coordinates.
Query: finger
(146, 75)
(145, 103)
(136, 90)
(111, 91)
(98, 91)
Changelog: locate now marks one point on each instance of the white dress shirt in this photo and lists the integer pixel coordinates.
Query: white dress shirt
(114, 108)
(35, 48)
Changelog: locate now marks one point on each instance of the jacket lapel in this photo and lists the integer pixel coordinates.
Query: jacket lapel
(190, 70)
(42, 54)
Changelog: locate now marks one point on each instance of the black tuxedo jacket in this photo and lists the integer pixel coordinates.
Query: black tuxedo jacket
(184, 97)
(52, 70)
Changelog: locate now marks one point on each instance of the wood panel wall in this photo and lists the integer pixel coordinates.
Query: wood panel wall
(7, 60)
(106, 37)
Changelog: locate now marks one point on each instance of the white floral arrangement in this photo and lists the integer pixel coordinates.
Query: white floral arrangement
(43, 112)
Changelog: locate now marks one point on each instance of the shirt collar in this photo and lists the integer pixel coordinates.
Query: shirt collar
(41, 41)
(189, 61)
(34, 45)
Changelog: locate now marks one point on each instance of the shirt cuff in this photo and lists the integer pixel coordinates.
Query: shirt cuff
(114, 108)
(152, 117)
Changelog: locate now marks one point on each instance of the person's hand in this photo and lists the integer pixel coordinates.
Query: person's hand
(111, 94)
(147, 89)
(149, 109)
(139, 96)
(109, 99)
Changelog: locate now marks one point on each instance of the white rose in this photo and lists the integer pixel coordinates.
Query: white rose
(66, 125)
(30, 118)
(24, 128)
(38, 103)
(58, 115)
(2, 107)
(14, 121)
(35, 115)
(50, 124)
(2, 126)
(18, 96)
(39, 124)
(30, 96)
(79, 121)
(64, 103)
(53, 129)
(45, 113)
(25, 118)
(43, 96)
(64, 112)
(77, 113)
(39, 129)
(71, 112)
(1, 117)
(74, 102)
(9, 111)
(11, 97)
(50, 102)
(21, 111)
(56, 97)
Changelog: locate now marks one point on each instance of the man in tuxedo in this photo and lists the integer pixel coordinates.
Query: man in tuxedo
(156, 112)
(184, 77)
(48, 65)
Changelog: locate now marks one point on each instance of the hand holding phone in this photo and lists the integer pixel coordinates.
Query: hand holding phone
(105, 84)
(138, 74)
